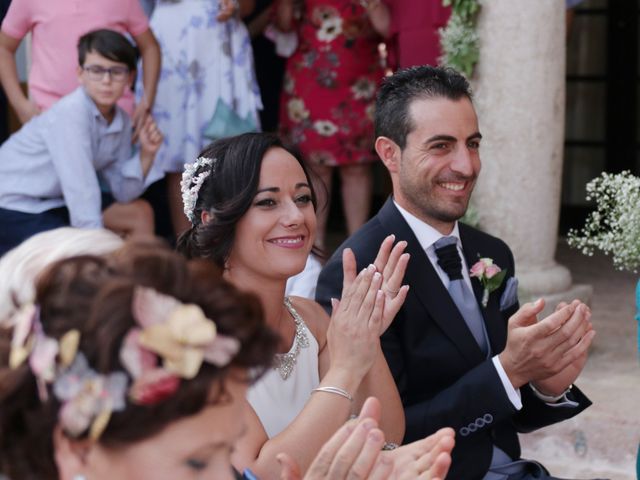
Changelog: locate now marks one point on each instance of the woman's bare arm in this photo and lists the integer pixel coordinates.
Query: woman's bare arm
(351, 338)
(24, 108)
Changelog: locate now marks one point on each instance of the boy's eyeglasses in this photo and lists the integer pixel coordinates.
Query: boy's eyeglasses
(96, 73)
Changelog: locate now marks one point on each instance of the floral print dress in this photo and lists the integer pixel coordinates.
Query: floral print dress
(202, 60)
(330, 84)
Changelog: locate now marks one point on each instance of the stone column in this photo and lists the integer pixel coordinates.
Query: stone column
(519, 88)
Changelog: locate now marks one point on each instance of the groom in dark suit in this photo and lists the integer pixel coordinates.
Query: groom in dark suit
(461, 356)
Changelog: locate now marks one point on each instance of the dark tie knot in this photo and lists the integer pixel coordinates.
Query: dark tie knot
(449, 259)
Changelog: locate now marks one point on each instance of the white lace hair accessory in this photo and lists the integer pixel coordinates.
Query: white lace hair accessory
(190, 185)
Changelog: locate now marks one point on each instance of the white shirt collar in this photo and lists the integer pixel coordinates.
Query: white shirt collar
(117, 123)
(425, 233)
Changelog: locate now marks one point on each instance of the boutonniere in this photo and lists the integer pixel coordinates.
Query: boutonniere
(490, 275)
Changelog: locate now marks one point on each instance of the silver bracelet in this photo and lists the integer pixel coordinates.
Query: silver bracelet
(549, 398)
(336, 390)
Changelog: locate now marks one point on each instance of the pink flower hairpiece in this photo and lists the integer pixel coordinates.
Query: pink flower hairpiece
(30, 342)
(178, 333)
(88, 398)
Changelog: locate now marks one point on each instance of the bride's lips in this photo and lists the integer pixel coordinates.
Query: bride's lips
(293, 241)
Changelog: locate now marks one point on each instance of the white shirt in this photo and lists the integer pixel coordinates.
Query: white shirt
(304, 283)
(427, 236)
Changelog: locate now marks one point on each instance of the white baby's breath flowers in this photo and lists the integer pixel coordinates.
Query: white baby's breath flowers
(614, 227)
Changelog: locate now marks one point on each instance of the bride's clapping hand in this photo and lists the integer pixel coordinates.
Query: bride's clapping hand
(356, 321)
(426, 459)
(391, 262)
(354, 451)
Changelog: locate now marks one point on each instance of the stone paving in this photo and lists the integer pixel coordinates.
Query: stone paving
(602, 441)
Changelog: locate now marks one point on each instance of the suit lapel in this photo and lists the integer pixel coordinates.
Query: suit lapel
(491, 313)
(428, 288)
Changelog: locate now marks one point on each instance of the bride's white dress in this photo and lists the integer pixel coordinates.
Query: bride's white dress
(276, 400)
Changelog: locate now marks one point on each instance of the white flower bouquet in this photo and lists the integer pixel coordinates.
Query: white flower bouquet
(614, 226)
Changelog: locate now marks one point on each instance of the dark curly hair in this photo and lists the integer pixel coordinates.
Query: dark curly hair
(94, 295)
(227, 193)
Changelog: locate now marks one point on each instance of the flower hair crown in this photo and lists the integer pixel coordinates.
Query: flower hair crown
(180, 335)
(190, 184)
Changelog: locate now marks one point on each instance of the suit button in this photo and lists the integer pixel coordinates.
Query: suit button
(480, 422)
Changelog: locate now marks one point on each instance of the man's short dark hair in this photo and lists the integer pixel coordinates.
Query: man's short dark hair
(109, 44)
(396, 93)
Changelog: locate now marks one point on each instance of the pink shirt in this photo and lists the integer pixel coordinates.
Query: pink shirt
(56, 26)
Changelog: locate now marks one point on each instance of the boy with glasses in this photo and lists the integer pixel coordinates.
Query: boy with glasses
(55, 27)
(52, 169)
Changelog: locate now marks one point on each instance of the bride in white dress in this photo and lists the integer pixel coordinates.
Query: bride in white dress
(252, 210)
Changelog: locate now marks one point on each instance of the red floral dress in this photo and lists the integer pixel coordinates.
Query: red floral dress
(330, 84)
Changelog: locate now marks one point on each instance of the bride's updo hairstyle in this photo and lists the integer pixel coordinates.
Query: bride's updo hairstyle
(105, 300)
(223, 181)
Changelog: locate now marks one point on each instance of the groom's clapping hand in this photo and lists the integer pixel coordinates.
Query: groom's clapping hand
(550, 349)
(559, 382)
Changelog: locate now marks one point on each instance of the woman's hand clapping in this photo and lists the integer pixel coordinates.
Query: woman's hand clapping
(354, 451)
(356, 321)
(391, 262)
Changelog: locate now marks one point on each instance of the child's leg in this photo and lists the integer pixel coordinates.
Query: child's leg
(130, 219)
(18, 226)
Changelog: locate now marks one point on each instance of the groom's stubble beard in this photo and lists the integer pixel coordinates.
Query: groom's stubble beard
(427, 203)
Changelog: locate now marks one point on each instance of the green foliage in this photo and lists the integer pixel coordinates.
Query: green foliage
(614, 226)
(494, 282)
(465, 9)
(471, 216)
(458, 39)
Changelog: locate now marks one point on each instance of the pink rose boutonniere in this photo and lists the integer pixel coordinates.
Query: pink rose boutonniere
(490, 275)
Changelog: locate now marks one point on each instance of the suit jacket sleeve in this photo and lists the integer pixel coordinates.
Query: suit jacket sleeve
(329, 284)
(535, 413)
(477, 394)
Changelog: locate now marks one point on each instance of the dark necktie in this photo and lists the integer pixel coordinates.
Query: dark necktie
(449, 260)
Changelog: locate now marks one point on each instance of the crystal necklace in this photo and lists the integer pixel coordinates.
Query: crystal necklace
(284, 362)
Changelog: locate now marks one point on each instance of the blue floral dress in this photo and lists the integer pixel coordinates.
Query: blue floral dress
(202, 60)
